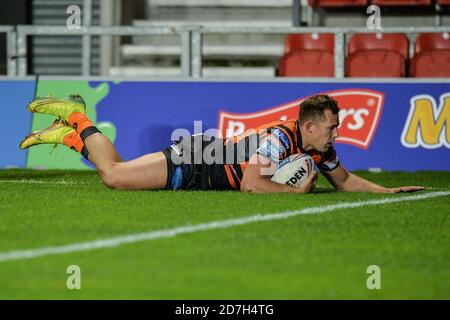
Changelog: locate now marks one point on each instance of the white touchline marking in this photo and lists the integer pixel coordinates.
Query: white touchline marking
(27, 181)
(167, 233)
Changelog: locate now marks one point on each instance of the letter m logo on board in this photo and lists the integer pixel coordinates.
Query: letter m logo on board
(427, 125)
(359, 116)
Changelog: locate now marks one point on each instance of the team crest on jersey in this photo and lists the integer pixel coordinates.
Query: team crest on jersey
(359, 116)
(281, 136)
(272, 148)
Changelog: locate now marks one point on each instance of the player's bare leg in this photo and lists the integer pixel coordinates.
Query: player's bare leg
(74, 129)
(146, 172)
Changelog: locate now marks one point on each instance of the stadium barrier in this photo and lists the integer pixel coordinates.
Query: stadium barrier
(191, 41)
(11, 47)
(386, 124)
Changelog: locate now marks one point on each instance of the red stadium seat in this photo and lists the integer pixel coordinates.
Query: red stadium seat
(402, 2)
(337, 3)
(431, 42)
(443, 2)
(375, 63)
(310, 63)
(310, 41)
(396, 42)
(431, 56)
(433, 64)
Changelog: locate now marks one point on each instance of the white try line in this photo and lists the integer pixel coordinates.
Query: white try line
(167, 233)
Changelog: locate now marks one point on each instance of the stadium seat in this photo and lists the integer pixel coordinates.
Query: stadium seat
(431, 64)
(396, 42)
(337, 3)
(402, 2)
(431, 42)
(308, 63)
(443, 2)
(377, 55)
(310, 41)
(431, 56)
(375, 63)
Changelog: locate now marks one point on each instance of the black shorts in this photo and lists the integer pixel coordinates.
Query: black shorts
(185, 167)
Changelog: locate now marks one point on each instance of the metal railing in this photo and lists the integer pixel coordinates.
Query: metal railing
(191, 41)
(339, 37)
(24, 31)
(11, 48)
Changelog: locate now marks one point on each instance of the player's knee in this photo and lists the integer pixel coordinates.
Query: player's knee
(108, 179)
(111, 178)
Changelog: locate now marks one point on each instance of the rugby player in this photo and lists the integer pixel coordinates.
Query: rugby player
(238, 163)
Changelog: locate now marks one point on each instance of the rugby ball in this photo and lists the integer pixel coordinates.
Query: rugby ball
(294, 170)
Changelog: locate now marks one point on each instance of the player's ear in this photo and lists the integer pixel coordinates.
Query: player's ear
(309, 125)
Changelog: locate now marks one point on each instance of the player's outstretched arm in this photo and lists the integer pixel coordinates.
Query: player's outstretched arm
(257, 180)
(343, 180)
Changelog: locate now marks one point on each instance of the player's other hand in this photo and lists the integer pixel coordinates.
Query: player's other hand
(309, 184)
(405, 189)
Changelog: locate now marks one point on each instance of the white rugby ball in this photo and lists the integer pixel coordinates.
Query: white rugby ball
(294, 170)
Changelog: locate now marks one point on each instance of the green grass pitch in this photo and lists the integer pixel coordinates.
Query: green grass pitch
(321, 256)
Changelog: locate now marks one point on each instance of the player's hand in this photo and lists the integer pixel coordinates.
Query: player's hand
(404, 189)
(309, 184)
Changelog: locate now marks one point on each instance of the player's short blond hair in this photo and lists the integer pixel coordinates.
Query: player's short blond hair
(315, 106)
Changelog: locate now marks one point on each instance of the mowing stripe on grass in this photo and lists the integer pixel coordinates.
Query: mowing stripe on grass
(222, 224)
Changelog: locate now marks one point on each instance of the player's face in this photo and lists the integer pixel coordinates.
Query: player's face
(325, 131)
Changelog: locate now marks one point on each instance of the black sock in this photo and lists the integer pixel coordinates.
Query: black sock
(88, 131)
(85, 152)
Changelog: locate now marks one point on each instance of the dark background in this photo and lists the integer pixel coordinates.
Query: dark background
(12, 13)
